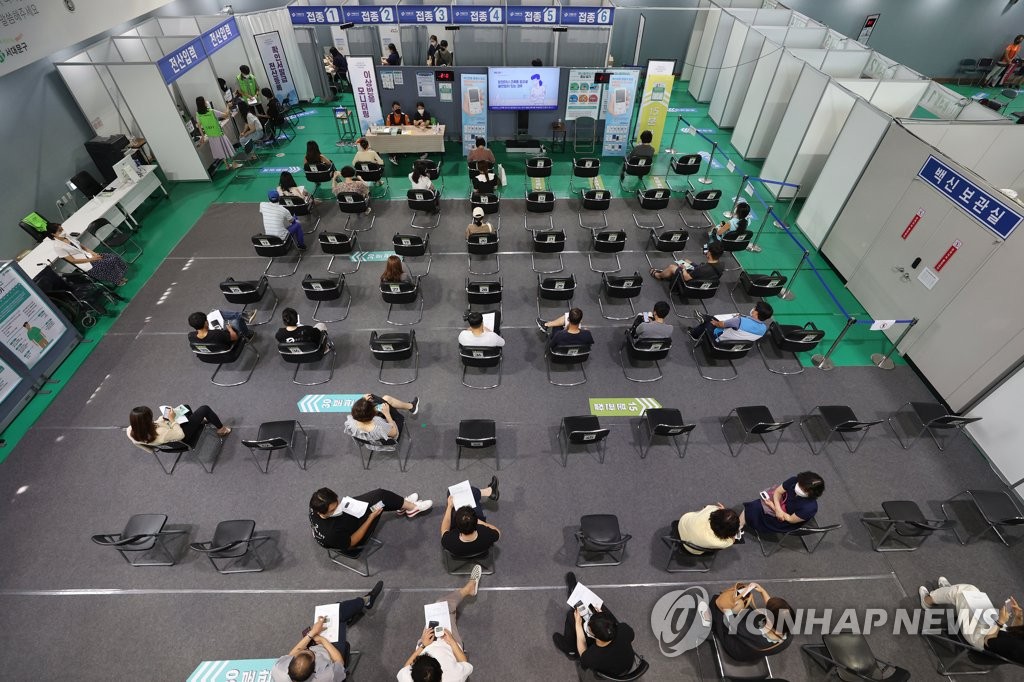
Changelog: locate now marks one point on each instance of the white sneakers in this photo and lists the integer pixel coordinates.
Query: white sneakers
(923, 592)
(421, 506)
(474, 577)
(943, 582)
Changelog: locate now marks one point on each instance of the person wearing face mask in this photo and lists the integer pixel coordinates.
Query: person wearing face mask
(479, 225)
(788, 506)
(421, 118)
(431, 49)
(734, 327)
(396, 118)
(746, 629)
(337, 526)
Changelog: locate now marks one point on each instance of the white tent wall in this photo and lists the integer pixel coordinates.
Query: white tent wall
(733, 83)
(770, 117)
(851, 153)
(862, 88)
(904, 73)
(145, 49)
(179, 26)
(776, 34)
(93, 97)
(154, 110)
(805, 37)
(1000, 432)
(199, 81)
(992, 150)
(699, 23)
(845, 63)
(942, 102)
(813, 56)
(700, 70)
(150, 27)
(899, 98)
(756, 95)
(973, 111)
(274, 20)
(879, 66)
(772, 17)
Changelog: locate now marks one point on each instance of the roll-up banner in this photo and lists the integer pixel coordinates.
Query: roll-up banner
(474, 109)
(654, 104)
(364, 90)
(617, 111)
(276, 65)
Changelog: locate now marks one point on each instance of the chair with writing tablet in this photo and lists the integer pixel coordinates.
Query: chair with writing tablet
(278, 435)
(838, 420)
(996, 509)
(367, 448)
(357, 559)
(246, 292)
(195, 444)
(395, 347)
(901, 527)
(585, 431)
(141, 543)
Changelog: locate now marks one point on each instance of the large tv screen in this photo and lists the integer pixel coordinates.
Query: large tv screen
(518, 88)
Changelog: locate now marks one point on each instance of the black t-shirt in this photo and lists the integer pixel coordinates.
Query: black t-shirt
(301, 334)
(1008, 646)
(213, 337)
(425, 116)
(712, 271)
(614, 659)
(336, 531)
(561, 337)
(485, 537)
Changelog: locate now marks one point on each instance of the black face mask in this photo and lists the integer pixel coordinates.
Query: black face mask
(397, 112)
(478, 221)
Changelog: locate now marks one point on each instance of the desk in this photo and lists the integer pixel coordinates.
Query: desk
(36, 260)
(117, 204)
(412, 140)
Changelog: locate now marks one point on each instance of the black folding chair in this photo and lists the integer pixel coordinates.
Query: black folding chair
(272, 247)
(931, 417)
(664, 422)
(621, 288)
(395, 347)
(572, 356)
(555, 289)
(322, 289)
(684, 556)
(539, 202)
(643, 350)
(584, 168)
(373, 174)
(545, 242)
(483, 244)
(482, 357)
(790, 338)
(278, 435)
(599, 200)
(402, 293)
(413, 246)
(655, 199)
(424, 201)
(355, 204)
(336, 244)
(755, 420)
(901, 527)
(686, 165)
(584, 430)
(607, 242)
(702, 202)
(142, 537)
(246, 292)
(599, 536)
(838, 420)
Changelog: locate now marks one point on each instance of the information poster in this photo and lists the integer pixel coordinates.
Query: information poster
(584, 95)
(27, 325)
(474, 109)
(425, 84)
(364, 90)
(654, 104)
(617, 111)
(444, 91)
(274, 62)
(9, 380)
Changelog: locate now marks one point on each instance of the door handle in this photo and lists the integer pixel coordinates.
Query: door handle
(898, 268)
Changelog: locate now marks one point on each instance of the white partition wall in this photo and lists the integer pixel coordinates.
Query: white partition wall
(274, 20)
(100, 102)
(179, 26)
(999, 432)
(151, 104)
(699, 23)
(772, 17)
(845, 63)
(713, 41)
(737, 70)
(805, 37)
(991, 149)
(899, 98)
(850, 154)
(764, 108)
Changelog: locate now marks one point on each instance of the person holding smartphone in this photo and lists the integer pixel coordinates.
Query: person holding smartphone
(786, 506)
(1000, 632)
(377, 419)
(652, 325)
(749, 623)
(442, 659)
(334, 528)
(601, 644)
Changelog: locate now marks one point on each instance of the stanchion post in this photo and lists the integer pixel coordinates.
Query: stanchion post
(736, 199)
(706, 180)
(789, 209)
(882, 361)
(824, 362)
(760, 228)
(672, 147)
(787, 293)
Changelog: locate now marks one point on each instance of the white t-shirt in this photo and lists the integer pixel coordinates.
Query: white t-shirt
(424, 182)
(276, 219)
(73, 249)
(254, 123)
(451, 669)
(488, 338)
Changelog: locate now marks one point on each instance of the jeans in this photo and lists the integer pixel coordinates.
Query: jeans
(237, 320)
(295, 230)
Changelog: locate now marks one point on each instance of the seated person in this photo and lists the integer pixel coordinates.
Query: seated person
(377, 426)
(396, 118)
(294, 332)
(279, 222)
(652, 325)
(644, 150)
(315, 657)
(146, 432)
(346, 180)
(478, 334)
(421, 180)
(422, 117)
(740, 222)
(471, 535)
(336, 529)
(603, 645)
(108, 267)
(789, 505)
(565, 330)
(252, 131)
(479, 225)
(485, 181)
(685, 270)
(713, 527)
(234, 325)
(480, 152)
(735, 327)
(746, 632)
(1000, 632)
(443, 660)
(394, 271)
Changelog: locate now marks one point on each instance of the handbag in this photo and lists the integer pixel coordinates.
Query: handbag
(502, 178)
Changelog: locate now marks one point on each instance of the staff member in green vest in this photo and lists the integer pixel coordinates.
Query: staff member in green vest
(209, 122)
(248, 88)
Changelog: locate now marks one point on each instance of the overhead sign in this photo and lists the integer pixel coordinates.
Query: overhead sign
(315, 14)
(587, 16)
(621, 407)
(176, 64)
(367, 14)
(219, 36)
(991, 212)
(334, 402)
(478, 14)
(364, 91)
(424, 14)
(532, 16)
(444, 14)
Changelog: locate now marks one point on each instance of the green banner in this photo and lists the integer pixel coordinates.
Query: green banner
(654, 104)
(621, 407)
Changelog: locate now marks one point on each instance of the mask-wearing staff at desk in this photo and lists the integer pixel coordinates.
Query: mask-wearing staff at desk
(108, 267)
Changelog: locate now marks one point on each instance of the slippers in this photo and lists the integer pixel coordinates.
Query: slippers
(226, 429)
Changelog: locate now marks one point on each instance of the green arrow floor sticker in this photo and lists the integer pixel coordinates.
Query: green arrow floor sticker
(621, 407)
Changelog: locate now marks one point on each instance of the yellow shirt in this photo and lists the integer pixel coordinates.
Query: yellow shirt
(695, 528)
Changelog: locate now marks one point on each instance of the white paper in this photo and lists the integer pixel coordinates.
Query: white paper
(387, 81)
(332, 620)
(462, 495)
(748, 189)
(730, 166)
(353, 507)
(398, 78)
(582, 593)
(882, 325)
(215, 319)
(179, 413)
(928, 278)
(437, 611)
(489, 321)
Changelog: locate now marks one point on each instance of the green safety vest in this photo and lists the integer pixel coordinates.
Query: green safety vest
(209, 123)
(247, 85)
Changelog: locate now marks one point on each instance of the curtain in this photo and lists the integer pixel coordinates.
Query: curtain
(274, 20)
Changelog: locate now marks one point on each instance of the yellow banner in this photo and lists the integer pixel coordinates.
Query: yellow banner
(654, 104)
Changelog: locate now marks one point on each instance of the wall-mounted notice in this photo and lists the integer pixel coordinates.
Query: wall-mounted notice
(364, 90)
(27, 325)
(272, 54)
(444, 91)
(584, 95)
(474, 109)
(617, 111)
(657, 92)
(9, 380)
(425, 84)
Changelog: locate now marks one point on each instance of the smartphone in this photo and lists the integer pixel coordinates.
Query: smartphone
(580, 607)
(747, 589)
(379, 505)
(475, 106)
(438, 632)
(765, 496)
(705, 613)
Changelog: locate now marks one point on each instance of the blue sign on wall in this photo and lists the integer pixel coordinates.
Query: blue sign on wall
(384, 14)
(316, 14)
(478, 14)
(532, 16)
(988, 210)
(219, 36)
(587, 16)
(182, 60)
(424, 14)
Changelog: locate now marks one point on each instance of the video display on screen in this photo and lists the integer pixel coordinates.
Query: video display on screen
(516, 88)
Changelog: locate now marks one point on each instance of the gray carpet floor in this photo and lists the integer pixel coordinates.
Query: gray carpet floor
(75, 475)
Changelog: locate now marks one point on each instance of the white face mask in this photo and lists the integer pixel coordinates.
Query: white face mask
(799, 491)
(421, 110)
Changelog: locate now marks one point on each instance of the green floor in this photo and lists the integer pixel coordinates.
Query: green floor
(165, 222)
